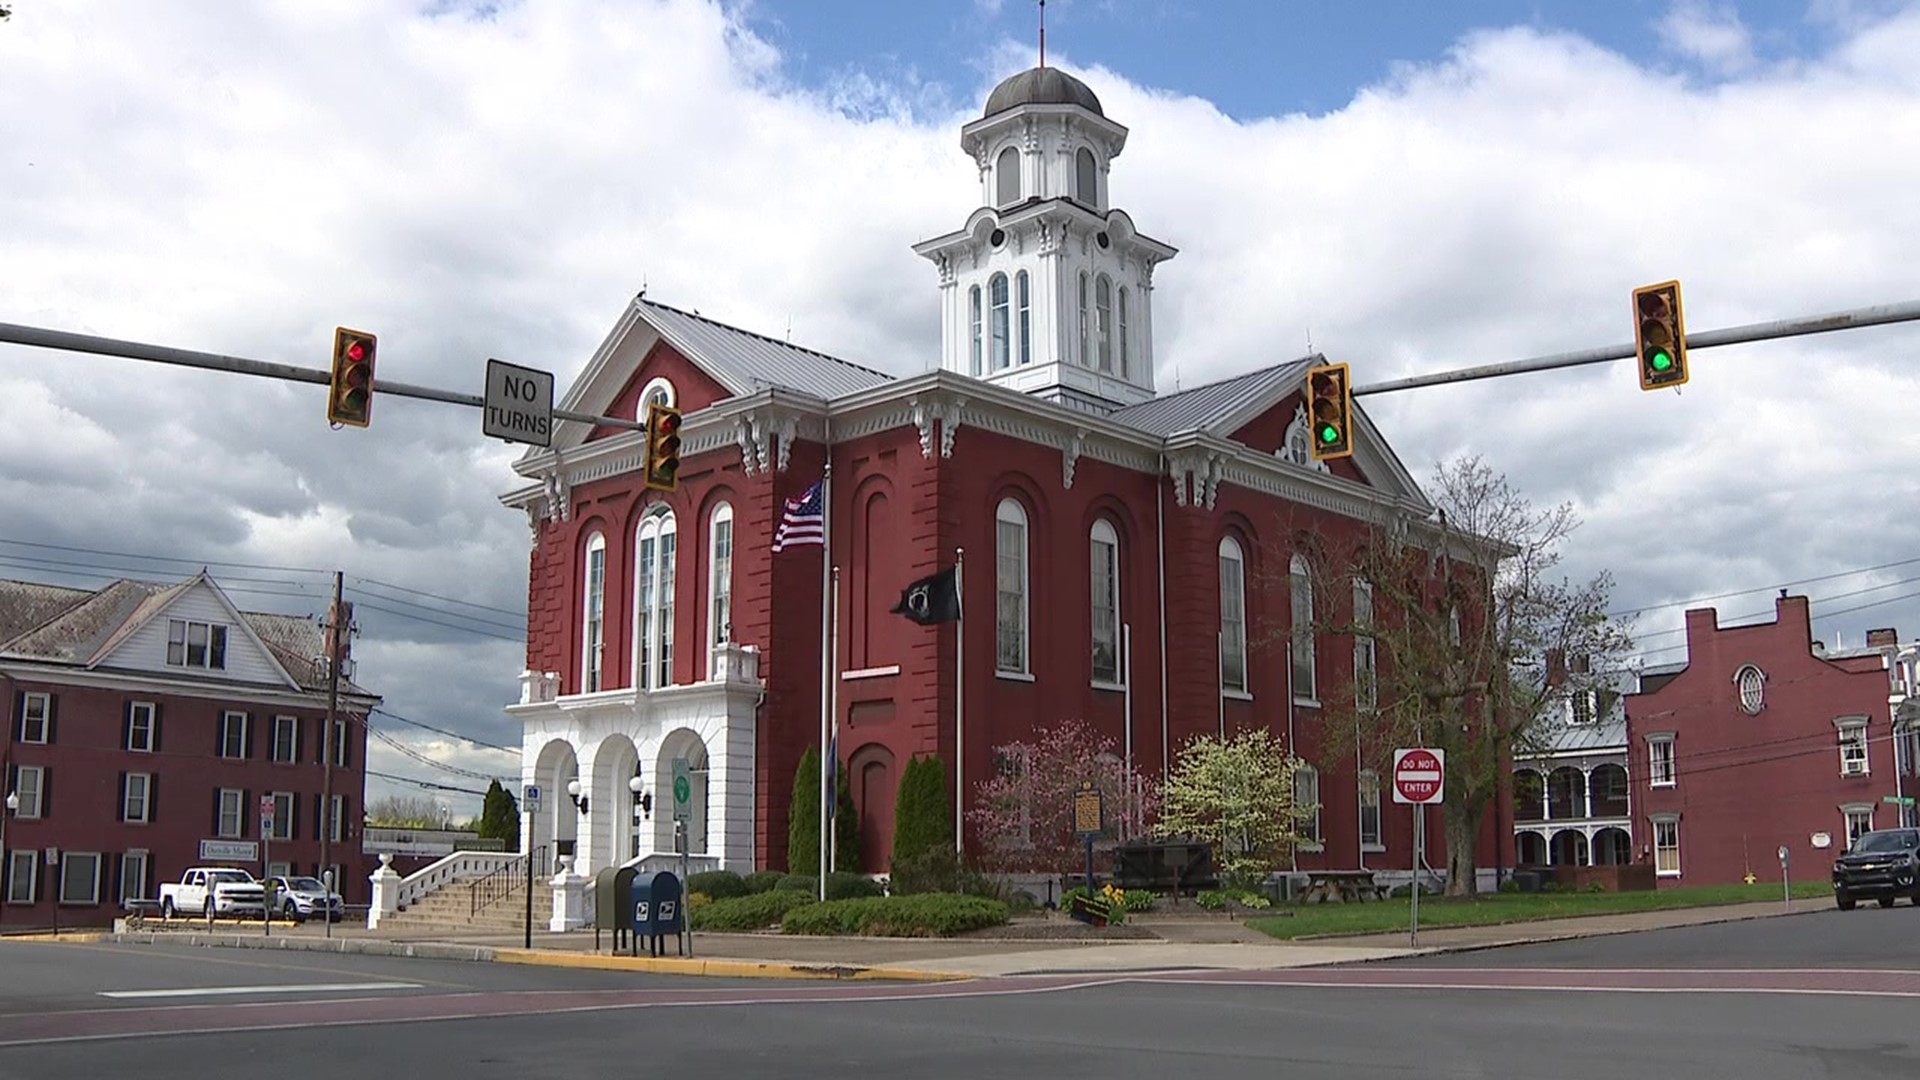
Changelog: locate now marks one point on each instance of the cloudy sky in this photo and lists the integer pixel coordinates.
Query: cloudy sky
(1416, 186)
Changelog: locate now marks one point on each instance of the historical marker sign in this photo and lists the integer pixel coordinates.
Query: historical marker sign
(519, 404)
(1089, 814)
(1419, 776)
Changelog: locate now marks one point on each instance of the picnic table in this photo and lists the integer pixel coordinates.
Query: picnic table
(1342, 886)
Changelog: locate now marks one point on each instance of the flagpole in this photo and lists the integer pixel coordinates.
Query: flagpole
(826, 657)
(1126, 677)
(960, 704)
(833, 740)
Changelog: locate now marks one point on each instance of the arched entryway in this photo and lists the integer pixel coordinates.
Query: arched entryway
(1530, 849)
(876, 787)
(1612, 847)
(1566, 794)
(1569, 848)
(557, 827)
(685, 745)
(614, 765)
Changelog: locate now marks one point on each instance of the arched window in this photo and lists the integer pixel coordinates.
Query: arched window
(1365, 678)
(1103, 300)
(997, 297)
(973, 336)
(594, 607)
(1300, 583)
(1306, 804)
(1006, 176)
(1233, 616)
(1086, 178)
(1369, 809)
(1126, 360)
(1010, 653)
(1023, 293)
(656, 392)
(653, 602)
(1086, 357)
(1106, 603)
(720, 574)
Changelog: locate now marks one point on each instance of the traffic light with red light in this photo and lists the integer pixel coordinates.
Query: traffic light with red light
(1659, 336)
(1330, 408)
(350, 398)
(663, 447)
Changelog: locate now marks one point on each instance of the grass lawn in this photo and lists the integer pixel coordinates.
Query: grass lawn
(1309, 920)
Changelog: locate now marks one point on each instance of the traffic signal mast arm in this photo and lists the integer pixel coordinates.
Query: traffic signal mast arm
(1853, 319)
(13, 333)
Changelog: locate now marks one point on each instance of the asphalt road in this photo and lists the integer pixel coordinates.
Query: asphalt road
(1787, 998)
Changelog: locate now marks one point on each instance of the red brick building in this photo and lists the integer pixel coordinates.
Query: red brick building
(1762, 738)
(1126, 553)
(144, 723)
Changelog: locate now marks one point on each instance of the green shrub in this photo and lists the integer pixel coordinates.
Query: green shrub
(1218, 899)
(842, 885)
(922, 815)
(923, 915)
(763, 881)
(1596, 886)
(1510, 886)
(753, 912)
(1212, 900)
(719, 884)
(940, 870)
(803, 819)
(805, 883)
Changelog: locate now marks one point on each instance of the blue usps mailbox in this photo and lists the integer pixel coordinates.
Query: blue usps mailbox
(657, 912)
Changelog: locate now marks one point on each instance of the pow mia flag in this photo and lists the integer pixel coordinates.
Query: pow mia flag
(931, 600)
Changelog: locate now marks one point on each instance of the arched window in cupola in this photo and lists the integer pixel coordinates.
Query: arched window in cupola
(1006, 177)
(1086, 178)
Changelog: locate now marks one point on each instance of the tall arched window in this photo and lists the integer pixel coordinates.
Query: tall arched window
(1233, 616)
(1010, 549)
(1086, 178)
(1006, 176)
(653, 602)
(1086, 357)
(1306, 801)
(973, 335)
(1106, 603)
(1300, 583)
(720, 574)
(1365, 676)
(1103, 300)
(594, 608)
(999, 326)
(1023, 293)
(1126, 359)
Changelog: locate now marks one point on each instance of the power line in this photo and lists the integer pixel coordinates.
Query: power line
(436, 596)
(1761, 588)
(443, 731)
(451, 626)
(430, 785)
(162, 558)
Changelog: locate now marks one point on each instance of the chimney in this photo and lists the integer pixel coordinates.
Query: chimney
(1886, 637)
(1556, 667)
(1578, 664)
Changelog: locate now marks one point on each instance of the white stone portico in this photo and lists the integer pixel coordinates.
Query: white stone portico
(603, 740)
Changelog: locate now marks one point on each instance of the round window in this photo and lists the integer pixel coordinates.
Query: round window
(1752, 685)
(999, 237)
(1102, 239)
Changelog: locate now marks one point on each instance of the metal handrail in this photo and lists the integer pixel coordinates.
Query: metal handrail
(499, 883)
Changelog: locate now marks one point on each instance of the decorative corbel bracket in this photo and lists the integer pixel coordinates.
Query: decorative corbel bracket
(783, 429)
(746, 434)
(1070, 457)
(946, 414)
(1216, 471)
(559, 495)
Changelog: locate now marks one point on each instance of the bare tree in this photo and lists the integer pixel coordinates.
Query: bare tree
(1456, 623)
(405, 812)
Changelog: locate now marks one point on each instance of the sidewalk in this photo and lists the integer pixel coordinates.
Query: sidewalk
(1181, 945)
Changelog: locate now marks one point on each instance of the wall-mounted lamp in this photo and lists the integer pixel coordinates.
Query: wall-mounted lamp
(642, 800)
(573, 792)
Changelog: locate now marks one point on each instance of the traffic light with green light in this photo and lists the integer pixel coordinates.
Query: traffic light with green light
(663, 447)
(350, 396)
(1659, 336)
(1330, 403)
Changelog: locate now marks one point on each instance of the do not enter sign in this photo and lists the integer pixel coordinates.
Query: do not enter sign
(1419, 776)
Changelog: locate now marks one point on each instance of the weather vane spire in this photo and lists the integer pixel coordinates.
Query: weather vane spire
(1043, 33)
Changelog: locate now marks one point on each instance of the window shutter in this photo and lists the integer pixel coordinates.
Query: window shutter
(220, 733)
(320, 743)
(46, 791)
(120, 807)
(19, 719)
(297, 740)
(246, 811)
(318, 815)
(251, 728)
(53, 719)
(126, 727)
(156, 728)
(293, 814)
(153, 803)
(345, 757)
(216, 813)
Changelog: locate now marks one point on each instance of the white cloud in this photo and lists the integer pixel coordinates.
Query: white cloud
(1711, 33)
(472, 187)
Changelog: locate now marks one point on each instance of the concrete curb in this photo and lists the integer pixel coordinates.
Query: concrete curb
(720, 968)
(423, 950)
(76, 937)
(1546, 939)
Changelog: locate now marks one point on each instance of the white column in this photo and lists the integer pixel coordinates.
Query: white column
(386, 892)
(569, 898)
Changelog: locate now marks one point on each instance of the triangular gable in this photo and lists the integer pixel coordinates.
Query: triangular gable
(141, 642)
(1264, 420)
(692, 388)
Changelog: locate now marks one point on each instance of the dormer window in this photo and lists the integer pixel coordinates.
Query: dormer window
(1006, 176)
(196, 644)
(1086, 178)
(1751, 684)
(1582, 706)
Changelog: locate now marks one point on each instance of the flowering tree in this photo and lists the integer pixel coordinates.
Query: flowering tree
(1235, 793)
(1024, 814)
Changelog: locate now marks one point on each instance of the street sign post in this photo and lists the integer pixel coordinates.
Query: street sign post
(530, 798)
(1089, 822)
(266, 866)
(519, 404)
(682, 789)
(1419, 780)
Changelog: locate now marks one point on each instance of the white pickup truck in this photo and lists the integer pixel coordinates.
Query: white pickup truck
(234, 892)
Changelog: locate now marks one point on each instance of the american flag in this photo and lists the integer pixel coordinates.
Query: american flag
(804, 522)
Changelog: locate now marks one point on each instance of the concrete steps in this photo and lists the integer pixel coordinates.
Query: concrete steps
(450, 908)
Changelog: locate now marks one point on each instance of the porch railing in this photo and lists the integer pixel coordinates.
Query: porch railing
(501, 883)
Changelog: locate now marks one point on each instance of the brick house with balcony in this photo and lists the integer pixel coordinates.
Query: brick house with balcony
(1763, 737)
(1132, 558)
(1571, 805)
(144, 724)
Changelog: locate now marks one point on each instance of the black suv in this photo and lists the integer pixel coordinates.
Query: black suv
(1884, 865)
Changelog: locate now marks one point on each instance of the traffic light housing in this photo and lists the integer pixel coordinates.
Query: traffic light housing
(350, 396)
(1659, 336)
(663, 447)
(1330, 408)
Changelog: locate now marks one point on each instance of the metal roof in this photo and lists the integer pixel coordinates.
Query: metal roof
(1204, 406)
(755, 361)
(1041, 86)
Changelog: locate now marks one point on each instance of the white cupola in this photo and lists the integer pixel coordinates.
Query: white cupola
(1047, 289)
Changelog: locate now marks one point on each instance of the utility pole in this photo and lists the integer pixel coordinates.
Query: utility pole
(327, 822)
